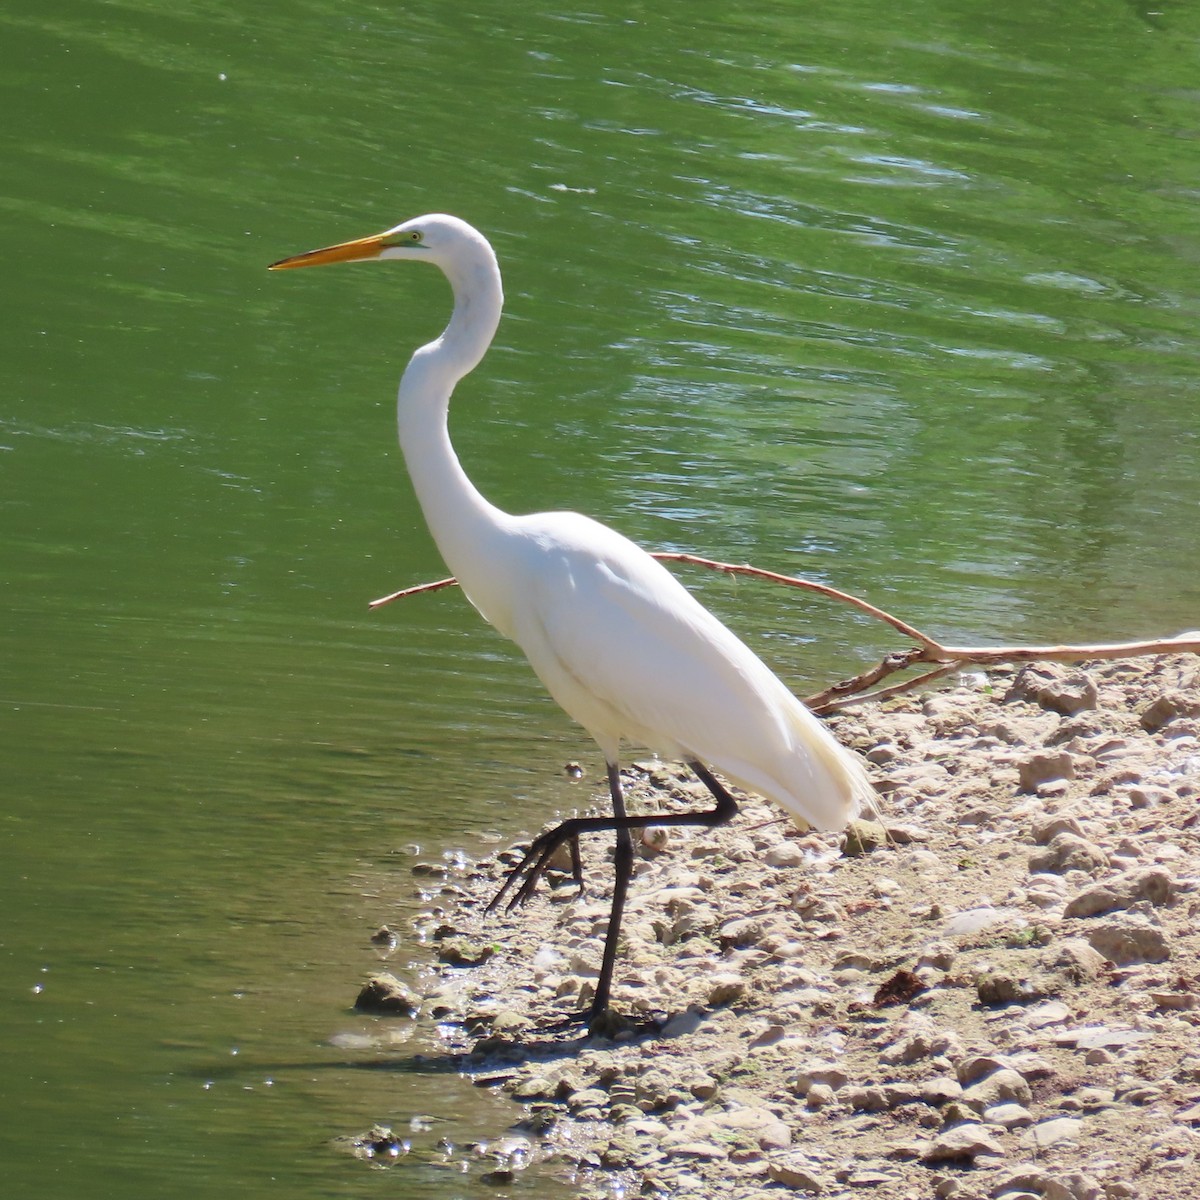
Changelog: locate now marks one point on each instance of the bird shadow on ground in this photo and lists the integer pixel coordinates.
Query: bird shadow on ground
(489, 1063)
(495, 1058)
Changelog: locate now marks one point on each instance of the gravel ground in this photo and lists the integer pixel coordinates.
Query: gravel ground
(992, 991)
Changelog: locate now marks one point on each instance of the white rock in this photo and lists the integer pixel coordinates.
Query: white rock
(972, 920)
(828, 1074)
(1010, 1114)
(963, 1142)
(787, 854)
(1048, 1133)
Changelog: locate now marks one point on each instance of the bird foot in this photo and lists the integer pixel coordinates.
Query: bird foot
(607, 1023)
(535, 862)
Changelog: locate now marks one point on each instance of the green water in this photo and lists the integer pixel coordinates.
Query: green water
(902, 299)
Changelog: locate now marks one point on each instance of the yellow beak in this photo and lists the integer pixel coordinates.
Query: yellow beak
(359, 250)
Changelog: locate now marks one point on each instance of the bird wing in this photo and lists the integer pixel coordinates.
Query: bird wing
(630, 653)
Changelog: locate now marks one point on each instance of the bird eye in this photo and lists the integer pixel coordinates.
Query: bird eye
(415, 235)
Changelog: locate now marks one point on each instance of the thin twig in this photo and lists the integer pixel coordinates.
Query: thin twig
(822, 705)
(807, 585)
(413, 591)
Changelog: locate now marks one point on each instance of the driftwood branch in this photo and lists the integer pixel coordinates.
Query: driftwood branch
(941, 659)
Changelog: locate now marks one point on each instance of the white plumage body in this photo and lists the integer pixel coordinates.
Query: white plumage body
(631, 655)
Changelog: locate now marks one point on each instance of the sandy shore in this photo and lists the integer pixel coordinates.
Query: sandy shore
(998, 994)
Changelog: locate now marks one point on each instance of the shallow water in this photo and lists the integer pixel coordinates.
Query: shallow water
(904, 302)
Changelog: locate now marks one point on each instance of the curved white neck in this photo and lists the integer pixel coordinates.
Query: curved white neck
(458, 516)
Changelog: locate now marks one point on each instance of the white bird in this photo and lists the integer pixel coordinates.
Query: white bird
(618, 641)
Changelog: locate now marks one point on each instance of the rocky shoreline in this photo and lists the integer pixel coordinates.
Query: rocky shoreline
(992, 991)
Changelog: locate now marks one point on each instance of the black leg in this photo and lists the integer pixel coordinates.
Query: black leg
(622, 873)
(529, 870)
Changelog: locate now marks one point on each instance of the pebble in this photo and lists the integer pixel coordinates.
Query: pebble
(760, 1125)
(1167, 707)
(940, 1091)
(725, 989)
(826, 1074)
(787, 854)
(1052, 1012)
(972, 920)
(1075, 959)
(1048, 1185)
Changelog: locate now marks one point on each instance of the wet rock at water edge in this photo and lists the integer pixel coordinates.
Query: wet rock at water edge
(459, 952)
(388, 996)
(378, 1142)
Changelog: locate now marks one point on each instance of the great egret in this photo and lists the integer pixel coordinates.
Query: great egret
(626, 650)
